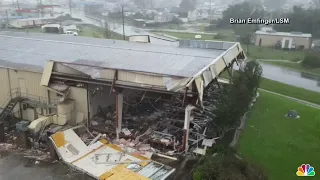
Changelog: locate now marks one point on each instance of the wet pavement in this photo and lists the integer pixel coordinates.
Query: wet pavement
(290, 77)
(294, 78)
(16, 167)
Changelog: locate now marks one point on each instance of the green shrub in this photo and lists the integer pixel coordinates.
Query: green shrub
(312, 60)
(227, 166)
(219, 36)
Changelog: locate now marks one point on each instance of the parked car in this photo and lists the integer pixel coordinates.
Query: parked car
(71, 33)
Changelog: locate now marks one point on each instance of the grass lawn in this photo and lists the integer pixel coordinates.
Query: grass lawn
(227, 35)
(295, 66)
(292, 91)
(256, 52)
(279, 144)
(97, 32)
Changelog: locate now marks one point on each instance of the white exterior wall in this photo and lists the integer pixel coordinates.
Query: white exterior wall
(79, 95)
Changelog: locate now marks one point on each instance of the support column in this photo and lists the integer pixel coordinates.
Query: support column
(186, 127)
(119, 105)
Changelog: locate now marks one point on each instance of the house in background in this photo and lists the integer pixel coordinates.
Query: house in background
(197, 15)
(164, 17)
(285, 40)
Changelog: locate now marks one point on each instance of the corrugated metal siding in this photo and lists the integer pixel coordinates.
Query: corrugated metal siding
(79, 95)
(4, 90)
(107, 74)
(231, 54)
(206, 44)
(133, 77)
(140, 78)
(220, 65)
(33, 88)
(46, 74)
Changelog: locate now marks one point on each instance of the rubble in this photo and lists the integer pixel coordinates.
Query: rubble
(36, 154)
(5, 147)
(157, 122)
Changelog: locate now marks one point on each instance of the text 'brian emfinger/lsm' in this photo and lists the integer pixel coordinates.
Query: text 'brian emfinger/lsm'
(269, 21)
(259, 21)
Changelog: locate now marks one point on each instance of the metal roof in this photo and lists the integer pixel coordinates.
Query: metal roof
(34, 49)
(284, 34)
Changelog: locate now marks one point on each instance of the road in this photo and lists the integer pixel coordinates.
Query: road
(118, 28)
(290, 77)
(16, 167)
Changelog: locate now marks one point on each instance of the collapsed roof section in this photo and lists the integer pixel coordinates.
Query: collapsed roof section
(103, 160)
(173, 73)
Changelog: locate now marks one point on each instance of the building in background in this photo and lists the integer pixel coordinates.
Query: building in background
(196, 15)
(284, 40)
(164, 17)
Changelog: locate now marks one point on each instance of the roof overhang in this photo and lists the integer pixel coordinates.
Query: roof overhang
(212, 71)
(88, 73)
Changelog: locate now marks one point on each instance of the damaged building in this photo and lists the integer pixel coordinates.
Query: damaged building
(146, 97)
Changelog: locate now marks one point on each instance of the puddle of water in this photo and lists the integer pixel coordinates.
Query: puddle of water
(290, 77)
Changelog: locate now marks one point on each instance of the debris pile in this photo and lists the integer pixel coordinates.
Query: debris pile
(158, 122)
(36, 154)
(5, 147)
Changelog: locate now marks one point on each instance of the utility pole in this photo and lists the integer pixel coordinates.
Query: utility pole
(7, 19)
(18, 4)
(70, 7)
(123, 32)
(210, 8)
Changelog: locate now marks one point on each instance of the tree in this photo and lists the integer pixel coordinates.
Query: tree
(243, 10)
(188, 5)
(252, 73)
(315, 4)
(312, 60)
(226, 166)
(274, 4)
(301, 20)
(235, 99)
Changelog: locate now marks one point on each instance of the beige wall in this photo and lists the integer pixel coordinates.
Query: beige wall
(133, 77)
(28, 83)
(4, 90)
(269, 40)
(79, 95)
